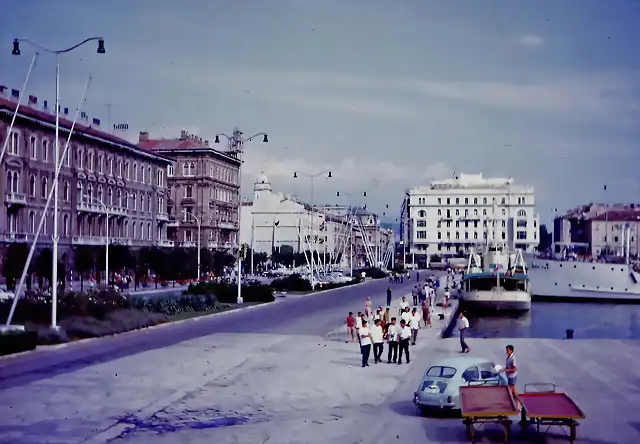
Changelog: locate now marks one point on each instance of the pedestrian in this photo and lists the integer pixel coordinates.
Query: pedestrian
(388, 296)
(351, 327)
(463, 326)
(392, 339)
(403, 343)
(426, 313)
(377, 336)
(414, 323)
(511, 370)
(358, 325)
(403, 305)
(365, 343)
(406, 316)
(414, 295)
(386, 318)
(378, 315)
(368, 307)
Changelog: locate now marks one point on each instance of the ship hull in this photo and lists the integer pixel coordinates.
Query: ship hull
(495, 301)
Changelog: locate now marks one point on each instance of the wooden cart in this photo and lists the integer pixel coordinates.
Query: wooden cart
(487, 404)
(543, 406)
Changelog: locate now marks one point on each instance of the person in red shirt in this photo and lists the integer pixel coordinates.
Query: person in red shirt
(351, 327)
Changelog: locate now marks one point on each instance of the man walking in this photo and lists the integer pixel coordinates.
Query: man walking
(388, 296)
(403, 305)
(414, 323)
(403, 343)
(414, 295)
(511, 370)
(392, 337)
(463, 326)
(365, 343)
(351, 327)
(377, 336)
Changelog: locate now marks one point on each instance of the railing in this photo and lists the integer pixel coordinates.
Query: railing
(16, 199)
(162, 216)
(15, 237)
(90, 207)
(173, 223)
(188, 244)
(88, 240)
(165, 243)
(213, 244)
(227, 225)
(118, 211)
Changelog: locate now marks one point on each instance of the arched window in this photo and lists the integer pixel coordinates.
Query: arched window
(100, 195)
(119, 198)
(149, 204)
(45, 150)
(110, 194)
(141, 231)
(188, 191)
(142, 173)
(80, 197)
(90, 192)
(44, 188)
(148, 231)
(421, 213)
(65, 225)
(522, 213)
(126, 227)
(34, 147)
(135, 230)
(135, 172)
(32, 222)
(192, 169)
(150, 177)
(32, 186)
(126, 200)
(185, 169)
(65, 191)
(134, 201)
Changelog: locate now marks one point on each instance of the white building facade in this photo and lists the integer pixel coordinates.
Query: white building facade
(274, 220)
(450, 216)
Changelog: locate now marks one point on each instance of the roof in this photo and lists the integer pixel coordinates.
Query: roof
(29, 113)
(171, 147)
(627, 215)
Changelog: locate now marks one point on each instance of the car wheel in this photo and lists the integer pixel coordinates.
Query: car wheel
(422, 411)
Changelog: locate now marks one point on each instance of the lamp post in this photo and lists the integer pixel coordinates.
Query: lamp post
(312, 178)
(57, 160)
(106, 258)
(364, 194)
(197, 219)
(236, 146)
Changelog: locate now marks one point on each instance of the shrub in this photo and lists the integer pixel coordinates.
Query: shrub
(295, 282)
(172, 305)
(227, 293)
(119, 321)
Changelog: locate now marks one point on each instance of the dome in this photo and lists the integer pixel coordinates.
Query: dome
(261, 184)
(262, 180)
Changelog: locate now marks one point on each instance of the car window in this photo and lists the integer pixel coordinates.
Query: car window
(471, 374)
(488, 371)
(438, 371)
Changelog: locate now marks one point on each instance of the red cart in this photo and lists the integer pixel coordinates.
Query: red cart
(543, 406)
(487, 404)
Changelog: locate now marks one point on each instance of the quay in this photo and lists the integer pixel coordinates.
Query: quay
(284, 374)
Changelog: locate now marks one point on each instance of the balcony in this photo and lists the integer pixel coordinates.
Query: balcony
(88, 240)
(118, 211)
(225, 245)
(17, 199)
(172, 223)
(89, 207)
(165, 243)
(15, 237)
(213, 245)
(188, 244)
(226, 225)
(162, 217)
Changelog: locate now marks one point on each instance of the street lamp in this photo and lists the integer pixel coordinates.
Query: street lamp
(197, 219)
(236, 145)
(106, 259)
(349, 195)
(57, 160)
(312, 177)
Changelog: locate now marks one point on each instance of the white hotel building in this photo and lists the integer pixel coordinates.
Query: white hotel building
(451, 216)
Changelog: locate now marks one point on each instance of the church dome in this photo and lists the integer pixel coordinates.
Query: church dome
(262, 180)
(262, 183)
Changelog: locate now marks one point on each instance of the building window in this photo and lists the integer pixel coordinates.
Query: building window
(119, 167)
(149, 203)
(135, 172)
(448, 201)
(90, 193)
(110, 166)
(188, 191)
(148, 231)
(439, 201)
(65, 191)
(67, 157)
(126, 200)
(522, 213)
(44, 188)
(422, 213)
(484, 200)
(100, 195)
(169, 170)
(33, 147)
(521, 235)
(32, 186)
(149, 176)
(126, 170)
(80, 159)
(475, 201)
(90, 161)
(65, 225)
(504, 212)
(439, 212)
(14, 144)
(185, 169)
(141, 202)
(134, 201)
(142, 172)
(80, 196)
(32, 222)
(119, 199)
(110, 196)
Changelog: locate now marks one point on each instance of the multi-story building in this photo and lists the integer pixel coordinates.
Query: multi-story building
(450, 216)
(203, 186)
(100, 174)
(275, 220)
(598, 229)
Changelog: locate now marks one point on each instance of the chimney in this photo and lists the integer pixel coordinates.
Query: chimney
(183, 135)
(45, 105)
(206, 143)
(143, 137)
(33, 100)
(3, 90)
(66, 111)
(83, 116)
(96, 122)
(15, 93)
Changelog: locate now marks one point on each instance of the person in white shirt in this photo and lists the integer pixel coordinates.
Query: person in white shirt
(358, 324)
(392, 338)
(414, 323)
(403, 344)
(463, 326)
(365, 343)
(406, 316)
(377, 336)
(403, 305)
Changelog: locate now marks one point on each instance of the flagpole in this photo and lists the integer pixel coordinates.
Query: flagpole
(606, 221)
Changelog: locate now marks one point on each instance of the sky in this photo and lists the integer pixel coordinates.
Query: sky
(387, 95)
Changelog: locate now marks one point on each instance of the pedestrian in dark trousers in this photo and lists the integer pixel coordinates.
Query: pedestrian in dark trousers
(403, 344)
(377, 336)
(365, 343)
(388, 296)
(392, 338)
(463, 326)
(414, 295)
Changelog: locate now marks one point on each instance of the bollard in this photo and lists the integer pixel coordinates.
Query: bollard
(569, 332)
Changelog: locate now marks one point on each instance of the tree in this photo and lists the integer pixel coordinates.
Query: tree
(84, 261)
(42, 267)
(14, 259)
(546, 239)
(222, 259)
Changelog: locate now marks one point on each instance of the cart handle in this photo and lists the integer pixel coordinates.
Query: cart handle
(476, 382)
(540, 387)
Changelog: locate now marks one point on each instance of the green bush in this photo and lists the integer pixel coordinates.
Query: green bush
(295, 282)
(227, 293)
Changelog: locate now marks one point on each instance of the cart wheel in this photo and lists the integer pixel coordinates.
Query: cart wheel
(572, 433)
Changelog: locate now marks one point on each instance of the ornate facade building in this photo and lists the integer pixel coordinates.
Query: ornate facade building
(101, 174)
(203, 189)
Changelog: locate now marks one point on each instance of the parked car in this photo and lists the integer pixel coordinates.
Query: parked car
(6, 295)
(439, 388)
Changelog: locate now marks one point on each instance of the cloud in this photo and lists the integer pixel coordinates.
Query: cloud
(531, 40)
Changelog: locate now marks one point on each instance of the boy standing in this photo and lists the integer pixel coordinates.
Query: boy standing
(403, 345)
(377, 336)
(392, 337)
(365, 343)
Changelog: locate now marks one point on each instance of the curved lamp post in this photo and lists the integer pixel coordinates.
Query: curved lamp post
(236, 145)
(57, 160)
(312, 178)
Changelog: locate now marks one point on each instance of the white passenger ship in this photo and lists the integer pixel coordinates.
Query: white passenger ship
(571, 279)
(497, 281)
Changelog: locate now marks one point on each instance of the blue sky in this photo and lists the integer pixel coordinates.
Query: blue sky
(387, 95)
